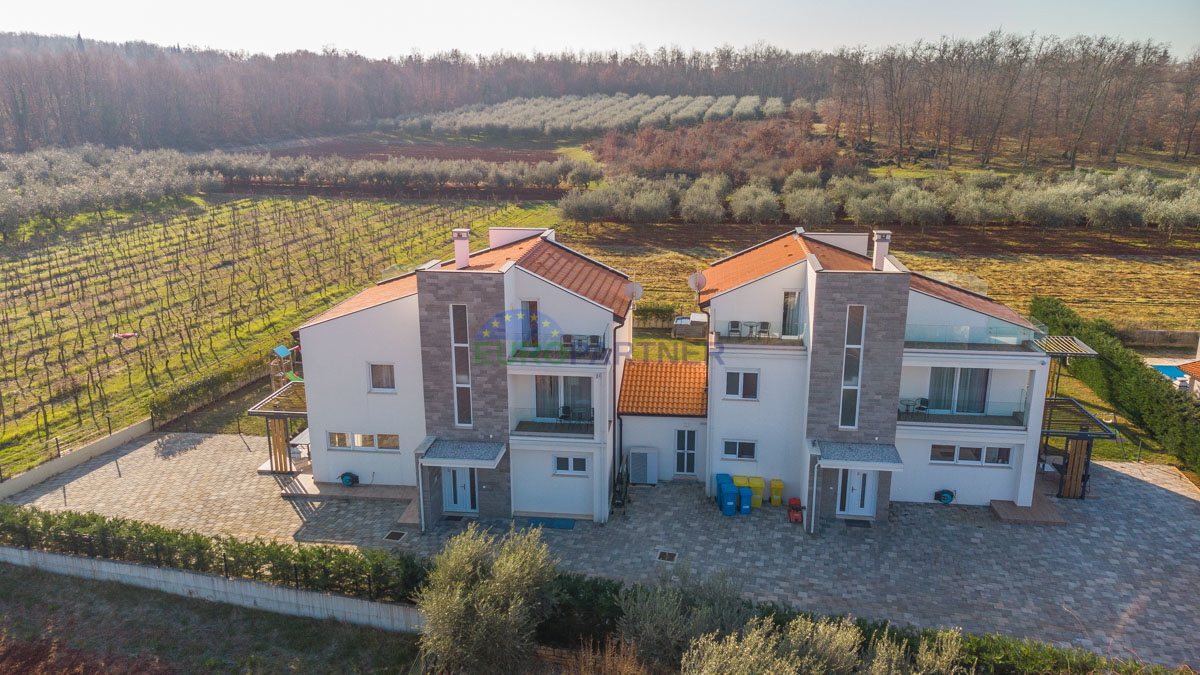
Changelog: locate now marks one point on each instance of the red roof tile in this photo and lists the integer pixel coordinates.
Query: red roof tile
(1192, 368)
(665, 388)
(772, 256)
(385, 291)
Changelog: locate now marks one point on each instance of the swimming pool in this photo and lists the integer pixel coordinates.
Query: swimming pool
(1172, 372)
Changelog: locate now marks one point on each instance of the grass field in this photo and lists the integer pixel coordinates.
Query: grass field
(200, 285)
(152, 631)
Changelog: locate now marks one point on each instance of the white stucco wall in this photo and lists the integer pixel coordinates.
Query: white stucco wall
(573, 314)
(760, 300)
(1007, 388)
(934, 319)
(776, 421)
(659, 433)
(536, 489)
(337, 354)
(973, 485)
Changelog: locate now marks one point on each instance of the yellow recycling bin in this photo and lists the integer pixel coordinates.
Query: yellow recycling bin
(740, 481)
(776, 492)
(756, 490)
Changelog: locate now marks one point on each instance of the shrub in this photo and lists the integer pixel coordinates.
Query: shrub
(484, 598)
(701, 204)
(754, 204)
(914, 206)
(809, 207)
(1044, 208)
(800, 180)
(870, 211)
(663, 618)
(652, 309)
(1115, 211)
(974, 207)
(983, 180)
(1176, 214)
(585, 608)
(645, 206)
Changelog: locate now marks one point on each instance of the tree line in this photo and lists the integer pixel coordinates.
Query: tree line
(1125, 199)
(1052, 95)
(45, 187)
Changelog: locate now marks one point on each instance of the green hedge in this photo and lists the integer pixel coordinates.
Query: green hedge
(585, 608)
(186, 396)
(662, 311)
(1124, 381)
(391, 576)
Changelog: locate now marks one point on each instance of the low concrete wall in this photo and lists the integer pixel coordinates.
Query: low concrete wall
(1160, 338)
(72, 459)
(240, 592)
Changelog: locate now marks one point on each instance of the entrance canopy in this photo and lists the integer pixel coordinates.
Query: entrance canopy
(287, 401)
(1065, 417)
(860, 456)
(473, 454)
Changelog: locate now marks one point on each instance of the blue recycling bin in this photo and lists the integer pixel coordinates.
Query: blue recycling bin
(723, 479)
(745, 494)
(728, 499)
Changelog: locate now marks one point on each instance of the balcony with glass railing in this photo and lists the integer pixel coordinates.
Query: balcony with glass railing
(994, 335)
(575, 421)
(995, 413)
(565, 349)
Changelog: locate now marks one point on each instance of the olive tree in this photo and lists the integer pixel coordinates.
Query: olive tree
(483, 600)
(755, 204)
(809, 207)
(701, 205)
(870, 211)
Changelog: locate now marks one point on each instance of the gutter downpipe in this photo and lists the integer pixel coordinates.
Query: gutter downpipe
(812, 507)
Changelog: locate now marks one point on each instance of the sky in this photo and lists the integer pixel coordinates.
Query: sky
(400, 27)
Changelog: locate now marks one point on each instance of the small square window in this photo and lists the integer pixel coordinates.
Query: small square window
(389, 441)
(733, 383)
(999, 456)
(383, 377)
(740, 449)
(364, 440)
(579, 464)
(339, 440)
(942, 453)
(562, 463)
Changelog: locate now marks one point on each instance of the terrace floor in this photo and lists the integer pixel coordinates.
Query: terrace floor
(1121, 577)
(949, 418)
(554, 428)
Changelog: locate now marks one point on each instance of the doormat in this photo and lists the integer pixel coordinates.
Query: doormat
(453, 519)
(553, 523)
(858, 523)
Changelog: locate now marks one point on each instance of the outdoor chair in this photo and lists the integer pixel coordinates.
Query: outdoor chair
(564, 415)
(568, 343)
(764, 329)
(922, 407)
(735, 329)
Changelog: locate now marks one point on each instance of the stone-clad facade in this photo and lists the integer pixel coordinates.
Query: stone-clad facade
(885, 296)
(483, 294)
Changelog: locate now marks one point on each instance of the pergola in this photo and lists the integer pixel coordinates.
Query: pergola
(286, 403)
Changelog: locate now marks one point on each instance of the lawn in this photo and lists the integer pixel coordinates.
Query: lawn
(169, 633)
(228, 415)
(656, 344)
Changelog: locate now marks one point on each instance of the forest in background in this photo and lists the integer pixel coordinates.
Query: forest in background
(1048, 95)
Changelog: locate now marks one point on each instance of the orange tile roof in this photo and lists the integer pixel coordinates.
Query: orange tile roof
(551, 260)
(385, 291)
(664, 388)
(773, 255)
(965, 298)
(1192, 368)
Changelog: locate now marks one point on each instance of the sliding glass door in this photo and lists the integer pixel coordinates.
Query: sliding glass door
(958, 390)
(553, 393)
(547, 396)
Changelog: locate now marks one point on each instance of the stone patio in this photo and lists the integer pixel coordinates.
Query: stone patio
(1122, 577)
(209, 483)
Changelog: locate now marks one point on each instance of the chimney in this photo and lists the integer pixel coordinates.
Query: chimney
(462, 247)
(883, 239)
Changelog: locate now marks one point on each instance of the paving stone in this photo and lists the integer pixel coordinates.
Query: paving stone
(1121, 578)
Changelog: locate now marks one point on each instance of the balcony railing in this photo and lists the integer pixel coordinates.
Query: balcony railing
(757, 333)
(574, 421)
(569, 350)
(994, 413)
(994, 336)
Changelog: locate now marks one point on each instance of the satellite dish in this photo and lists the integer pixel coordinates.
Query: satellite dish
(634, 291)
(697, 282)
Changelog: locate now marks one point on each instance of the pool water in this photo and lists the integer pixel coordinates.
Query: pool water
(1170, 371)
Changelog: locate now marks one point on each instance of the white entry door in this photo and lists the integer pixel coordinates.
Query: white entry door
(458, 489)
(856, 492)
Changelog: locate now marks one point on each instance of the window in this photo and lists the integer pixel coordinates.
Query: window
(364, 441)
(852, 365)
(791, 314)
(529, 313)
(462, 365)
(564, 398)
(942, 453)
(383, 377)
(389, 441)
(741, 384)
(971, 454)
(571, 465)
(685, 451)
(958, 390)
(998, 456)
(739, 449)
(338, 439)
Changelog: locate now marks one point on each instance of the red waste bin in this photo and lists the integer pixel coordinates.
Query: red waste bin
(795, 511)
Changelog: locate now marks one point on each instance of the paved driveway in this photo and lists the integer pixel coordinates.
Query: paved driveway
(1122, 578)
(208, 483)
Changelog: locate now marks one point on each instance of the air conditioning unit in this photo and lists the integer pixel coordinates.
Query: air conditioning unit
(643, 466)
